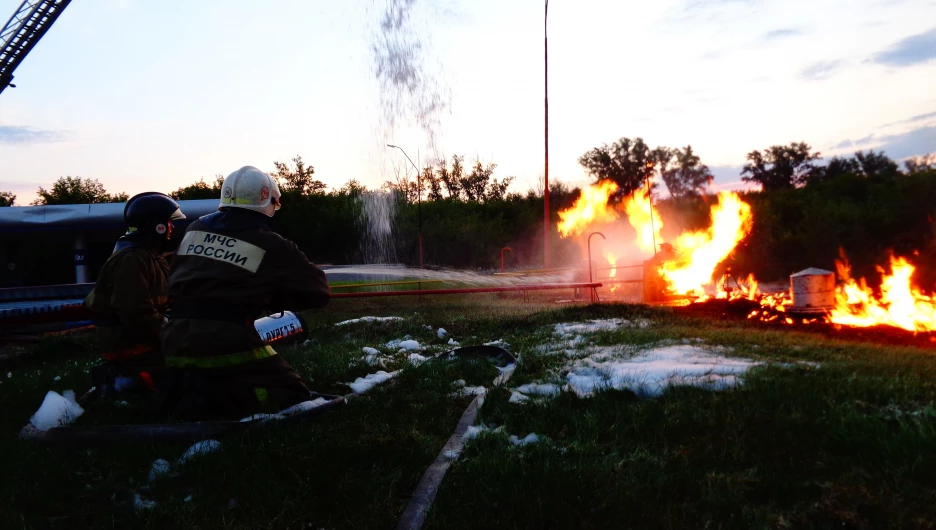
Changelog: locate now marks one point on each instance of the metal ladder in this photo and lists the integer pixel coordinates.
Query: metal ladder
(24, 29)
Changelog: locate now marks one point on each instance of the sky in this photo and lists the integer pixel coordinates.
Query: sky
(153, 95)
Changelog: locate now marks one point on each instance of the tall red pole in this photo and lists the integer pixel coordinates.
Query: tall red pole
(546, 227)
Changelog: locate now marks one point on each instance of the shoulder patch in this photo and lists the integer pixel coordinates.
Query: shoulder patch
(222, 248)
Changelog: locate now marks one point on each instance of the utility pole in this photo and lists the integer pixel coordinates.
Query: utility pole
(546, 224)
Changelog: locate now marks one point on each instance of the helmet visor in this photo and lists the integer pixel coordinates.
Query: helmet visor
(176, 215)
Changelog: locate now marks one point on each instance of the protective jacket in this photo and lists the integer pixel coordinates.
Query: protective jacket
(230, 269)
(127, 305)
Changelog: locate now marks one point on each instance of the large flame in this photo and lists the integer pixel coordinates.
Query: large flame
(645, 219)
(900, 304)
(699, 253)
(591, 206)
(612, 261)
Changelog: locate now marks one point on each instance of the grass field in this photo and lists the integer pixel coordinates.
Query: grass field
(825, 433)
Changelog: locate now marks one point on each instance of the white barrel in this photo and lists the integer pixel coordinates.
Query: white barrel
(280, 327)
(813, 289)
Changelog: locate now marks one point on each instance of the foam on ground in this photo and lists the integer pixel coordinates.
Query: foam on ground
(363, 384)
(538, 389)
(56, 410)
(159, 468)
(531, 438)
(571, 329)
(650, 372)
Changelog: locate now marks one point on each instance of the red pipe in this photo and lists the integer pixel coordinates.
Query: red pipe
(537, 287)
(502, 256)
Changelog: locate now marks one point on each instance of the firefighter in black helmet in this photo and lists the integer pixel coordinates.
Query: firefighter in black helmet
(129, 298)
(230, 269)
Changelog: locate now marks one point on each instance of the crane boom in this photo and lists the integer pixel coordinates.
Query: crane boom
(24, 29)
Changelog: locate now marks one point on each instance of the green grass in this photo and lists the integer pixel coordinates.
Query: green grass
(851, 444)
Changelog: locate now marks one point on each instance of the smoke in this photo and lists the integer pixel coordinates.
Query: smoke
(410, 88)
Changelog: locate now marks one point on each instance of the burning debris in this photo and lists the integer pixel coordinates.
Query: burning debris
(688, 267)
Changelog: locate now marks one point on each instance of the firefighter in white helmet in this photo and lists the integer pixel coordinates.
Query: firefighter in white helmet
(230, 269)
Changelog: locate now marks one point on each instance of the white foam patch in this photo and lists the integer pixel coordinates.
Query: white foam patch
(474, 390)
(158, 468)
(363, 384)
(571, 329)
(517, 397)
(56, 410)
(416, 359)
(539, 389)
(475, 430)
(531, 438)
(139, 503)
(505, 373)
(499, 342)
(453, 342)
(203, 447)
(441, 333)
(370, 351)
(650, 372)
(411, 345)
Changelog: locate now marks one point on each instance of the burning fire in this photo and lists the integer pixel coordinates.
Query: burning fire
(645, 219)
(612, 260)
(900, 304)
(697, 254)
(591, 206)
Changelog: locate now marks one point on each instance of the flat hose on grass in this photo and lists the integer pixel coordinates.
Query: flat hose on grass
(414, 516)
(181, 433)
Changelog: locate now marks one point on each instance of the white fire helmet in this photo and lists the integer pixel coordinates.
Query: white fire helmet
(251, 189)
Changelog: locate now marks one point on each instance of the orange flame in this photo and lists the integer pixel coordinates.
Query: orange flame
(591, 206)
(699, 253)
(612, 260)
(645, 219)
(900, 304)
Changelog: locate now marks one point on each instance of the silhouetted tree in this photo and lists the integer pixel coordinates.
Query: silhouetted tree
(920, 164)
(199, 190)
(7, 198)
(835, 168)
(780, 166)
(626, 162)
(297, 181)
(684, 173)
(77, 190)
(877, 165)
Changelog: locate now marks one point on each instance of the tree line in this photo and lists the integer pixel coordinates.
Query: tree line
(805, 209)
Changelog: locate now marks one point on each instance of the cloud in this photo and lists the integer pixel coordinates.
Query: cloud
(16, 134)
(781, 33)
(912, 50)
(821, 70)
(916, 142)
(922, 117)
(704, 4)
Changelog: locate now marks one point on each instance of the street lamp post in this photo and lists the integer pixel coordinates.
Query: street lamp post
(546, 138)
(418, 199)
